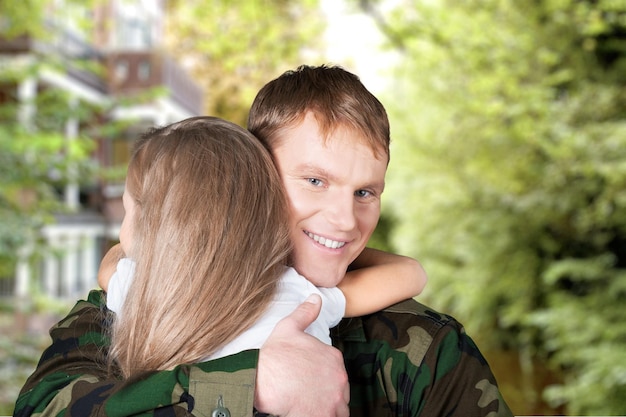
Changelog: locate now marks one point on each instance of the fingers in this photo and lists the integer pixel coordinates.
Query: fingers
(307, 312)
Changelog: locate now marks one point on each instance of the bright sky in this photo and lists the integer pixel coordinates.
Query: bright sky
(353, 42)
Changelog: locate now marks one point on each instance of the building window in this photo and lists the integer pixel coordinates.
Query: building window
(143, 71)
(134, 33)
(121, 71)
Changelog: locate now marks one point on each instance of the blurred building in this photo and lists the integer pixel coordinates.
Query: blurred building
(123, 43)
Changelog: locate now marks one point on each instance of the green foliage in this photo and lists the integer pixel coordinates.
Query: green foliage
(36, 158)
(21, 16)
(36, 161)
(235, 47)
(24, 17)
(509, 127)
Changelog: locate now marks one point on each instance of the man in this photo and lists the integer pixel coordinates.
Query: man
(329, 137)
(330, 140)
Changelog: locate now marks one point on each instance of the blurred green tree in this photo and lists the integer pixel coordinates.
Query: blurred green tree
(508, 177)
(234, 47)
(38, 158)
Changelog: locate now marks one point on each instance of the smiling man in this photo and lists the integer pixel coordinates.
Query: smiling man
(329, 137)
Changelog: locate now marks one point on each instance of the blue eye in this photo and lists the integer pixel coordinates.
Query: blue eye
(314, 181)
(362, 193)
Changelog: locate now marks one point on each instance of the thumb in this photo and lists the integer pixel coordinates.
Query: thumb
(307, 312)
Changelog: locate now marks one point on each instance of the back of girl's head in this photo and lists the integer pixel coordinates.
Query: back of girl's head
(335, 96)
(209, 238)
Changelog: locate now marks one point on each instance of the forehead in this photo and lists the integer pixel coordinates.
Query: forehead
(307, 131)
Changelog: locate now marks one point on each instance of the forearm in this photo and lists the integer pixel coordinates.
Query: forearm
(187, 388)
(379, 279)
(72, 377)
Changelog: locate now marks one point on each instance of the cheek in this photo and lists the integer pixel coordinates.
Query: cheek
(368, 219)
(126, 234)
(300, 204)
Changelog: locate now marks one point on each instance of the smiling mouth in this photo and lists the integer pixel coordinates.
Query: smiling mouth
(332, 244)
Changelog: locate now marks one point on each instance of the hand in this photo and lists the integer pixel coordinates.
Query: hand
(293, 363)
(108, 265)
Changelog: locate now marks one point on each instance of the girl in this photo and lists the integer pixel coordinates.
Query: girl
(205, 227)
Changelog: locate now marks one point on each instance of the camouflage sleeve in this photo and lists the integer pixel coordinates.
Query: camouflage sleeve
(459, 381)
(409, 360)
(72, 378)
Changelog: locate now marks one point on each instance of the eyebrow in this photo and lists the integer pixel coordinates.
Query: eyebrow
(315, 170)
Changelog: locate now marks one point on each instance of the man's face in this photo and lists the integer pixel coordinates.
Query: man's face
(334, 191)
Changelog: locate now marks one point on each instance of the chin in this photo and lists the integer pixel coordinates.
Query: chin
(320, 278)
(327, 279)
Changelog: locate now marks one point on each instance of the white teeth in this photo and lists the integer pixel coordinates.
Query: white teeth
(333, 244)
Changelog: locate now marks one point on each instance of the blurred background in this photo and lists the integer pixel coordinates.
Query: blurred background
(507, 177)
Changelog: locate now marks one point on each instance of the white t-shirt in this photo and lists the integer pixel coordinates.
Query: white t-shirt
(292, 290)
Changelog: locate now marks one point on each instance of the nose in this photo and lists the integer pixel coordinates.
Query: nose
(341, 212)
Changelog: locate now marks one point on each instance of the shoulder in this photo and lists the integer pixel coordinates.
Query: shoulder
(409, 327)
(422, 353)
(411, 312)
(406, 316)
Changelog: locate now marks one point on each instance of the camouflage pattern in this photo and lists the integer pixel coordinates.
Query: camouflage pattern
(72, 378)
(404, 361)
(409, 360)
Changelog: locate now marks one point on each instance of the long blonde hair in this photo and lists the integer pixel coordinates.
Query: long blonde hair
(210, 242)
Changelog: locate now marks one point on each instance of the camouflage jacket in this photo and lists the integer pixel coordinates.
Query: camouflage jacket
(404, 361)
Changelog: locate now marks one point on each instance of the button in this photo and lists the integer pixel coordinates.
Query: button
(220, 410)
